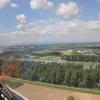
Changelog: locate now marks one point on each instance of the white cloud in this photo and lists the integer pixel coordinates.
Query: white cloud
(21, 18)
(3, 3)
(68, 9)
(41, 4)
(13, 5)
(76, 29)
(20, 26)
(62, 26)
(53, 31)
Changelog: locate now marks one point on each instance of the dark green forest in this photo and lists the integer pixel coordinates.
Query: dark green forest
(73, 75)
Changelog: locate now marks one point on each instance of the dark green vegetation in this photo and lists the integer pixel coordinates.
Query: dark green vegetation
(73, 75)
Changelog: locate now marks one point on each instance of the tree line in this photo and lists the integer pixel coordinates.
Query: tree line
(68, 74)
(81, 57)
(52, 53)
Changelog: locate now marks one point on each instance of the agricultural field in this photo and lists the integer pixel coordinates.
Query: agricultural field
(31, 90)
(45, 93)
(47, 58)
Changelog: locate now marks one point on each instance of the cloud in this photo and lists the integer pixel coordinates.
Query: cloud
(69, 9)
(21, 18)
(64, 30)
(20, 26)
(21, 22)
(13, 5)
(41, 4)
(3, 3)
(53, 31)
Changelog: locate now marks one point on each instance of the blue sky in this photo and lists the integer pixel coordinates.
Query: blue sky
(49, 21)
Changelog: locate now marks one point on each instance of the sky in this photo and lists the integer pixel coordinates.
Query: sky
(49, 21)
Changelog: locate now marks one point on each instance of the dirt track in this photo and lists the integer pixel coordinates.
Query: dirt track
(43, 93)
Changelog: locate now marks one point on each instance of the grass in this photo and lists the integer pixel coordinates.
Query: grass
(70, 98)
(14, 83)
(61, 87)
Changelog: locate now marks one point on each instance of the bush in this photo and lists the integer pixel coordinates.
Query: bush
(70, 98)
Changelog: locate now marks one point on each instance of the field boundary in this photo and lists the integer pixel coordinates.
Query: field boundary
(61, 87)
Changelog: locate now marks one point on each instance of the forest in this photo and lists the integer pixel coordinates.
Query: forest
(68, 74)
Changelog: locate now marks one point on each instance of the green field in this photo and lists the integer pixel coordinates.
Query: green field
(47, 58)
